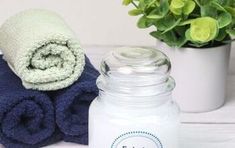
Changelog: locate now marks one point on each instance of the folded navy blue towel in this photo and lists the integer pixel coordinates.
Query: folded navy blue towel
(27, 118)
(72, 105)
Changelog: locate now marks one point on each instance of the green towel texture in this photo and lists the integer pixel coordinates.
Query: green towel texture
(42, 50)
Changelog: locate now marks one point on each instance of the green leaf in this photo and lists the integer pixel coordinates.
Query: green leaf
(198, 45)
(144, 22)
(176, 6)
(223, 2)
(231, 32)
(205, 2)
(231, 10)
(228, 40)
(158, 3)
(172, 26)
(142, 4)
(193, 43)
(189, 7)
(166, 23)
(126, 2)
(180, 30)
(159, 12)
(187, 22)
(204, 29)
(157, 34)
(221, 35)
(218, 6)
(207, 10)
(177, 3)
(187, 35)
(154, 16)
(224, 19)
(181, 42)
(152, 3)
(179, 7)
(169, 37)
(198, 3)
(135, 12)
(164, 7)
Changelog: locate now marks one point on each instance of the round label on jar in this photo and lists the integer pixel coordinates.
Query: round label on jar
(137, 139)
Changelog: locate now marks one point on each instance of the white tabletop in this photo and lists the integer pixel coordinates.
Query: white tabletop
(214, 129)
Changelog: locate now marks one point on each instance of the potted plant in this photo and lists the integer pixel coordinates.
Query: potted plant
(197, 36)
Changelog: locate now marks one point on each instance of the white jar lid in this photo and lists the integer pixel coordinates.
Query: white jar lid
(130, 68)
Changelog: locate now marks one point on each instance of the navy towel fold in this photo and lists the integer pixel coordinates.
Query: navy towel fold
(27, 118)
(72, 105)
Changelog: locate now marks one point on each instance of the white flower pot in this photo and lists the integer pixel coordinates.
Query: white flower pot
(200, 76)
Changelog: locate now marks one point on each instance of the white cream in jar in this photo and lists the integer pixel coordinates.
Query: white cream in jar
(134, 108)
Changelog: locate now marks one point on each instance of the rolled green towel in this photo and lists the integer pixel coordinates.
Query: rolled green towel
(42, 50)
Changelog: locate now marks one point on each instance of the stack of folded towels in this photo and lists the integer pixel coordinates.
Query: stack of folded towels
(46, 82)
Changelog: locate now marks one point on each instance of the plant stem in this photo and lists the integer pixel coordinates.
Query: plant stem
(197, 3)
(150, 4)
(134, 4)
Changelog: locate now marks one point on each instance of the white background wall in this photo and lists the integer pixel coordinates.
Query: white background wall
(96, 22)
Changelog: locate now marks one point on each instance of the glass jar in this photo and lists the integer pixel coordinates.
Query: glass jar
(134, 108)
